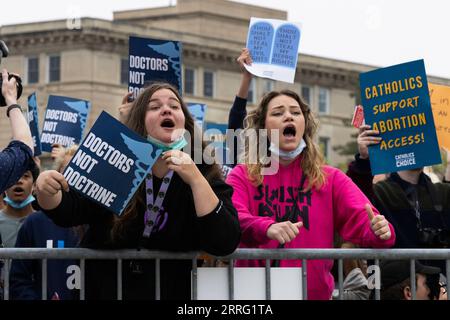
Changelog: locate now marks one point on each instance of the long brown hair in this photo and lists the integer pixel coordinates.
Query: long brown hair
(312, 161)
(135, 121)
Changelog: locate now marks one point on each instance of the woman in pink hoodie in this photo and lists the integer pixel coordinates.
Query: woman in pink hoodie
(302, 202)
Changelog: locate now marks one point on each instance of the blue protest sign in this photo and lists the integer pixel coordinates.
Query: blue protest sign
(33, 123)
(260, 39)
(198, 111)
(111, 163)
(152, 60)
(273, 46)
(396, 102)
(285, 48)
(64, 122)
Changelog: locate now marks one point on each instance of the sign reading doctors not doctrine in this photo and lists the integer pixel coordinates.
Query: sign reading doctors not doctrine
(396, 102)
(152, 60)
(64, 121)
(111, 163)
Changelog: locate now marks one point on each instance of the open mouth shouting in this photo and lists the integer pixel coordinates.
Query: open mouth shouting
(18, 191)
(168, 124)
(289, 131)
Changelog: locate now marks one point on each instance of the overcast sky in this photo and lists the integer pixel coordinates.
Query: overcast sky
(374, 32)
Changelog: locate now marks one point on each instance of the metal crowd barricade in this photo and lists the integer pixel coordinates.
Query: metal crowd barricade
(44, 254)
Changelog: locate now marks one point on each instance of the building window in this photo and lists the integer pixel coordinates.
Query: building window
(33, 70)
(324, 101)
(268, 86)
(306, 95)
(251, 92)
(189, 81)
(124, 71)
(54, 68)
(324, 143)
(208, 84)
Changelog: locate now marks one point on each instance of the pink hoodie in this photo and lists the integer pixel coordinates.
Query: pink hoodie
(337, 206)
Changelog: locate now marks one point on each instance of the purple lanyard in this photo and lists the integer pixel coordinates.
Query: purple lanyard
(154, 207)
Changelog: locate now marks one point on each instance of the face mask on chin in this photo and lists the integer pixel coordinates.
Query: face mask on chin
(287, 155)
(19, 205)
(178, 144)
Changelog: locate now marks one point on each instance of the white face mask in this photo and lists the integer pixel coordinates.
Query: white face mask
(287, 155)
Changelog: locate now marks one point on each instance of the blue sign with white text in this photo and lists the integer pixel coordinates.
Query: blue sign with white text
(152, 60)
(64, 122)
(396, 103)
(111, 163)
(33, 123)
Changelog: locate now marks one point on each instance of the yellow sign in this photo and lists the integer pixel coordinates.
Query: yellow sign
(440, 103)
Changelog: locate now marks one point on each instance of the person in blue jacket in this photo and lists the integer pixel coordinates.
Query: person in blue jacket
(238, 110)
(16, 158)
(36, 232)
(26, 275)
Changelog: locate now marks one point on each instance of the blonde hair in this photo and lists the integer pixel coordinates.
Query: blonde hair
(312, 162)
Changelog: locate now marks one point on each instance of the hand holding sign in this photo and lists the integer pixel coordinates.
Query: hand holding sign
(49, 183)
(125, 107)
(378, 224)
(245, 59)
(284, 232)
(366, 138)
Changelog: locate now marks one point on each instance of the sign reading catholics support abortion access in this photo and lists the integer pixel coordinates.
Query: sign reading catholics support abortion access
(397, 103)
(33, 123)
(273, 45)
(64, 122)
(111, 163)
(152, 60)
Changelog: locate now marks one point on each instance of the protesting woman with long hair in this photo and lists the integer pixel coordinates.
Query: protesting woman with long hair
(195, 208)
(303, 202)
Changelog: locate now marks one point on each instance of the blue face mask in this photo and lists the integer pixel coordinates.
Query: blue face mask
(288, 155)
(178, 144)
(19, 205)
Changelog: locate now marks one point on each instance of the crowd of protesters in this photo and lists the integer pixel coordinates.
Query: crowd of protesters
(303, 204)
